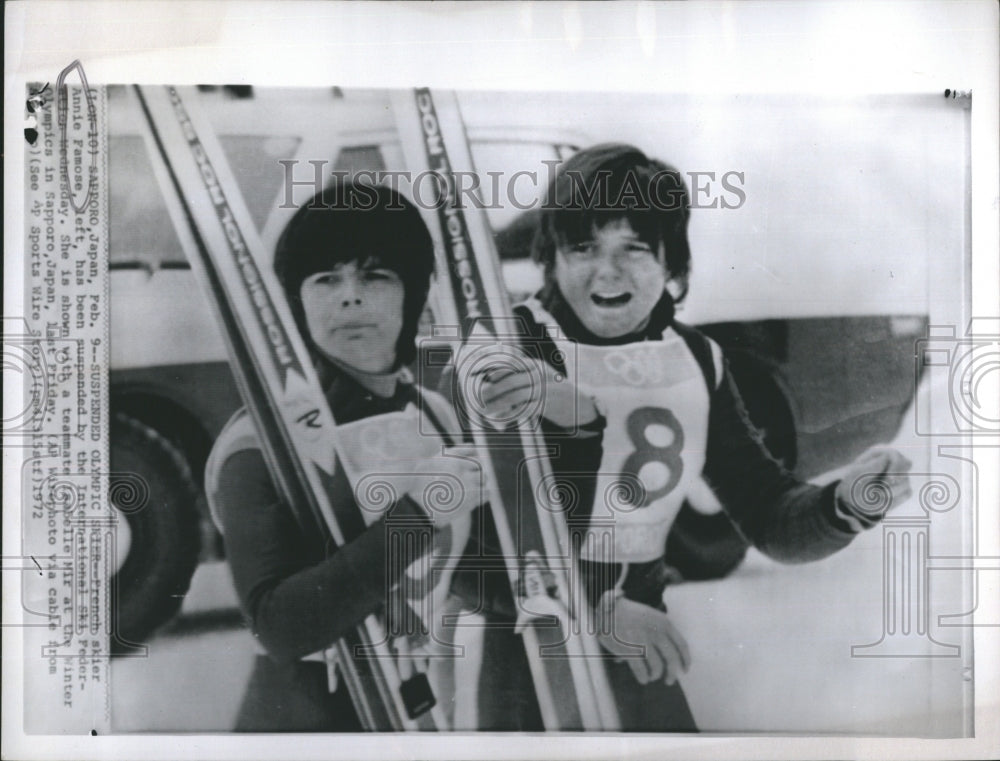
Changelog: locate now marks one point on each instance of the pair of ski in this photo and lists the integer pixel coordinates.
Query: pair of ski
(279, 385)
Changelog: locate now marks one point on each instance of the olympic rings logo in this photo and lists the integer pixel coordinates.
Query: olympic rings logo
(639, 367)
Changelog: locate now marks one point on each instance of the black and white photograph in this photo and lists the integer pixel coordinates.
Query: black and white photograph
(617, 380)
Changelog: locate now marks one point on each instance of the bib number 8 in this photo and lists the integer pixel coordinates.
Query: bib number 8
(644, 427)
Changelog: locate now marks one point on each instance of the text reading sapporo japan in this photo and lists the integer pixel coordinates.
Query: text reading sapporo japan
(433, 411)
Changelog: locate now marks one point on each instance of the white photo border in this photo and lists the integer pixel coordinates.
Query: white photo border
(705, 47)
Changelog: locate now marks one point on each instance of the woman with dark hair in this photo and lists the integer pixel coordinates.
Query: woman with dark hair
(640, 411)
(355, 264)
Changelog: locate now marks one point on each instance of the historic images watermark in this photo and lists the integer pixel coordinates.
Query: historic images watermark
(518, 190)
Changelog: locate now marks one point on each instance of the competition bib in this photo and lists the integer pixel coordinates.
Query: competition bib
(655, 400)
(654, 397)
(386, 457)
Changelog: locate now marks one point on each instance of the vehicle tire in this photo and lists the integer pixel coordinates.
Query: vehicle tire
(152, 487)
(704, 546)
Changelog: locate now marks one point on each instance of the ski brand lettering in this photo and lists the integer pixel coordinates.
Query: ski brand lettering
(464, 278)
(310, 419)
(237, 246)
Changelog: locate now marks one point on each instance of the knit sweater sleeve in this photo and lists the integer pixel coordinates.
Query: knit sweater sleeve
(788, 520)
(298, 595)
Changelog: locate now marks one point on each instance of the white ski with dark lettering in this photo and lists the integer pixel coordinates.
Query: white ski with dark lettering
(566, 662)
(276, 379)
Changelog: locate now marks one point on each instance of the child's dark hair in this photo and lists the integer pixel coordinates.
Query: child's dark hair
(608, 182)
(365, 224)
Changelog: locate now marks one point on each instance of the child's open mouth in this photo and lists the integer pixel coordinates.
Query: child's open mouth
(611, 299)
(355, 330)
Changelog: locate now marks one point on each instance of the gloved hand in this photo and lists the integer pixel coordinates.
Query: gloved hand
(643, 637)
(504, 384)
(872, 484)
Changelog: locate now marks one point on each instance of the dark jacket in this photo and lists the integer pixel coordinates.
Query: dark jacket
(786, 519)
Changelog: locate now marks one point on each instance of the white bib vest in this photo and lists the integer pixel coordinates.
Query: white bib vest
(386, 457)
(655, 400)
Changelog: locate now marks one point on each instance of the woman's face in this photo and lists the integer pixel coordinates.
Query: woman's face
(611, 281)
(355, 314)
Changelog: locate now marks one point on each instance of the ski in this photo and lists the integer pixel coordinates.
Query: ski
(276, 378)
(567, 667)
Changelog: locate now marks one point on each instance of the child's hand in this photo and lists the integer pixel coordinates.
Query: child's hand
(873, 483)
(662, 651)
(529, 388)
(454, 486)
